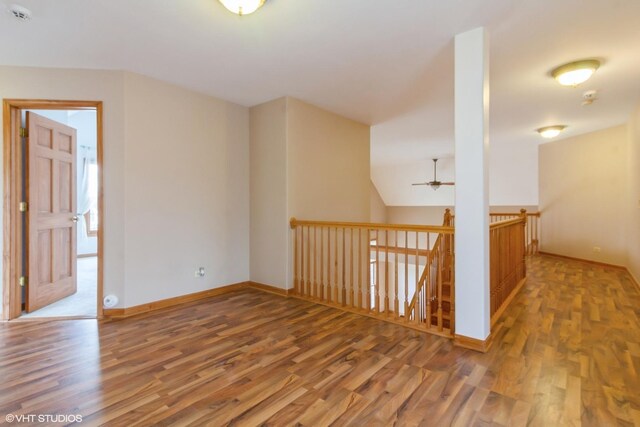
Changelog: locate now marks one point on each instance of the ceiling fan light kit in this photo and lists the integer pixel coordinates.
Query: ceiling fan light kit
(435, 184)
(242, 7)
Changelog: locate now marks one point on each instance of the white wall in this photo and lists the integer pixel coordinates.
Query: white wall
(583, 196)
(187, 191)
(633, 199)
(176, 179)
(513, 177)
(269, 221)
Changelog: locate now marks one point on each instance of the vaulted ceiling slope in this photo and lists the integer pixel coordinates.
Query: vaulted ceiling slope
(387, 63)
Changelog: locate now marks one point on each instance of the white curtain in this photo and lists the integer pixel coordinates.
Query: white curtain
(84, 202)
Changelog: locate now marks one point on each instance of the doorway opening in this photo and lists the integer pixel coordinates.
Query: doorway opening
(52, 209)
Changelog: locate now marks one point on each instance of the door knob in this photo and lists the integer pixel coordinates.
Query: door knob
(74, 218)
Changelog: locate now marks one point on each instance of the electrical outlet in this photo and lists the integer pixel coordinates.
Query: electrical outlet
(597, 249)
(200, 272)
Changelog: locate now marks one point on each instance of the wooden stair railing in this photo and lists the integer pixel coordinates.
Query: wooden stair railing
(375, 270)
(532, 228)
(433, 302)
(507, 252)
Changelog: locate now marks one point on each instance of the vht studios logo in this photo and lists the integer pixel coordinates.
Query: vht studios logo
(43, 418)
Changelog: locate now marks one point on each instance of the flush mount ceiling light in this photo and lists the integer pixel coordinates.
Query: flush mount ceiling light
(242, 7)
(574, 73)
(550, 131)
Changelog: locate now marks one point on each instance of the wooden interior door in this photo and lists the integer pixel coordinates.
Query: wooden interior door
(51, 217)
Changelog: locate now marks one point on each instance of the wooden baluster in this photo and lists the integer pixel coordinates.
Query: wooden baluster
(302, 282)
(428, 282)
(386, 273)
(329, 282)
(360, 261)
(406, 276)
(417, 311)
(309, 289)
(396, 309)
(351, 293)
(336, 287)
(295, 261)
(452, 282)
(439, 285)
(322, 284)
(377, 281)
(368, 284)
(344, 268)
(315, 262)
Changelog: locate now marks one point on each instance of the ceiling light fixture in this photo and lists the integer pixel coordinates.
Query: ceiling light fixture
(550, 131)
(574, 73)
(242, 7)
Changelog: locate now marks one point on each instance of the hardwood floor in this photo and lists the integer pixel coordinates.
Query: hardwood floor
(567, 352)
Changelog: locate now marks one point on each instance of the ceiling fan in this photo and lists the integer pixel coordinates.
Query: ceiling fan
(435, 184)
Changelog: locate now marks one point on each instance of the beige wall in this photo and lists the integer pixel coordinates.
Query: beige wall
(376, 205)
(306, 163)
(328, 165)
(186, 178)
(583, 190)
(419, 215)
(633, 221)
(106, 86)
(269, 221)
(175, 179)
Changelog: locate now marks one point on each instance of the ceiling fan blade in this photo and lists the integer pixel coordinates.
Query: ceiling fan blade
(422, 183)
(447, 183)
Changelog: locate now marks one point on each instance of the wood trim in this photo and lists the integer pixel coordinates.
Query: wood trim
(506, 302)
(182, 299)
(506, 223)
(374, 226)
(268, 288)
(171, 302)
(588, 261)
(12, 255)
(513, 213)
(475, 344)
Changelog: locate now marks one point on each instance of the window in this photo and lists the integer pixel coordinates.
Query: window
(91, 217)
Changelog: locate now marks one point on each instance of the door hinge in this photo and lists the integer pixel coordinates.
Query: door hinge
(23, 207)
(24, 280)
(24, 133)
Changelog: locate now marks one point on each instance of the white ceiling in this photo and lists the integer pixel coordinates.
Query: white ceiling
(388, 63)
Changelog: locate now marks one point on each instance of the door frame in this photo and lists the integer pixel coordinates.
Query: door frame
(12, 220)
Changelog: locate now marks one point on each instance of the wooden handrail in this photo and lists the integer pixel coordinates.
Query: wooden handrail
(506, 223)
(402, 280)
(512, 213)
(373, 226)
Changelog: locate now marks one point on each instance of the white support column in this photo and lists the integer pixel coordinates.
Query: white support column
(473, 319)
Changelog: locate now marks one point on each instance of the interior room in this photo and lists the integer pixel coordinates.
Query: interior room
(261, 212)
